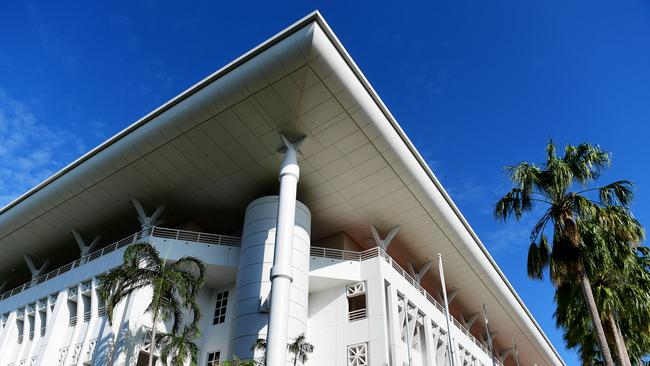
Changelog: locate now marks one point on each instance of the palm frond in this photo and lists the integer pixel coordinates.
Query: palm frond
(586, 161)
(514, 203)
(618, 193)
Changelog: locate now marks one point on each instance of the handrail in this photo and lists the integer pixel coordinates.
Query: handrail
(140, 236)
(348, 255)
(357, 315)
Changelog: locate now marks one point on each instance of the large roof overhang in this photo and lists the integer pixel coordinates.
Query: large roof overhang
(212, 149)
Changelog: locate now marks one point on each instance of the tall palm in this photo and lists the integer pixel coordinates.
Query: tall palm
(300, 349)
(552, 186)
(622, 297)
(260, 345)
(177, 348)
(174, 286)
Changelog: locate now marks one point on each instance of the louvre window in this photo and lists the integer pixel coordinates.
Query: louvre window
(220, 308)
(356, 294)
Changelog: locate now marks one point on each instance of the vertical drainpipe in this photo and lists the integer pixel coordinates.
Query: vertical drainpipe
(281, 274)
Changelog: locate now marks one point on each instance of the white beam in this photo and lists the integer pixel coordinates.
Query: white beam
(417, 276)
(81, 243)
(384, 243)
(504, 353)
(147, 221)
(451, 295)
(32, 267)
(471, 320)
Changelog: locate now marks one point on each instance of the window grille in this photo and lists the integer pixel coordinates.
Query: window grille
(358, 355)
(356, 289)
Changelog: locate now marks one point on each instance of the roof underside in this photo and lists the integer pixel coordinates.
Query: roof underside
(213, 149)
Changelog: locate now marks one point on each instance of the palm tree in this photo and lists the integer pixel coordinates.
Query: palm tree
(567, 212)
(300, 349)
(260, 345)
(621, 287)
(178, 347)
(174, 286)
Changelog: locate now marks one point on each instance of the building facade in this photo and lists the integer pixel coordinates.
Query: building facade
(288, 176)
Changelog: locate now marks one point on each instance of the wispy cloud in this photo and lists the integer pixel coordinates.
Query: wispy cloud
(477, 195)
(30, 151)
(511, 237)
(501, 239)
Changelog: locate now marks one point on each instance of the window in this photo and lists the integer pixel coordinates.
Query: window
(356, 294)
(358, 354)
(213, 358)
(220, 308)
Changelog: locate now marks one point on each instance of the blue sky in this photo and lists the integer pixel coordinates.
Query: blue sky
(477, 86)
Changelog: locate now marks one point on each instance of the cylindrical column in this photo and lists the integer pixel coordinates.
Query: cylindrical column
(281, 273)
(250, 318)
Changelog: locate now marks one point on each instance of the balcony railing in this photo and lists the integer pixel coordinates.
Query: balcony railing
(143, 235)
(43, 329)
(73, 321)
(357, 315)
(101, 311)
(87, 316)
(348, 255)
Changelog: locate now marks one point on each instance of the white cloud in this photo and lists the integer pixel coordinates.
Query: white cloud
(30, 151)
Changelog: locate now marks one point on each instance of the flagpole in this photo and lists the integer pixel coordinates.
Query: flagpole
(452, 357)
(489, 337)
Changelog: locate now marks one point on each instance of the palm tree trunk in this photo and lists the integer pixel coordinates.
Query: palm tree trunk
(595, 317)
(152, 345)
(621, 350)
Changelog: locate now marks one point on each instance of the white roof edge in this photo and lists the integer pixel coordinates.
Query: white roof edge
(359, 74)
(310, 18)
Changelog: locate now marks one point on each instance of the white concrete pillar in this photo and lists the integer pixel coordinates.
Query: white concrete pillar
(250, 317)
(429, 354)
(376, 307)
(394, 326)
(35, 343)
(8, 339)
(56, 319)
(90, 331)
(23, 346)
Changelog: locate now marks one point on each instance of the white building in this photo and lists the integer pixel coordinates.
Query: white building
(201, 175)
